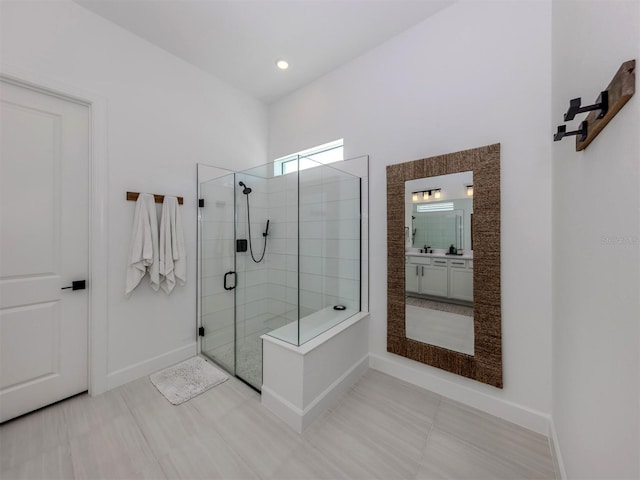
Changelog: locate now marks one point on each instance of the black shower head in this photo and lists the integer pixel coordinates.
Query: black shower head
(246, 190)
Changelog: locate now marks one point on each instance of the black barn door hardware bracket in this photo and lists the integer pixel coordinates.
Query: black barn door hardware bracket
(609, 103)
(581, 133)
(575, 108)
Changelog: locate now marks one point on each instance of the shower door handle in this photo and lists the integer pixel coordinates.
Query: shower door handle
(234, 280)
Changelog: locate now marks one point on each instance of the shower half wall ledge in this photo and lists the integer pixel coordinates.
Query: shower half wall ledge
(301, 382)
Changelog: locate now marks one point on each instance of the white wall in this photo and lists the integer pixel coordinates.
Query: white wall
(164, 116)
(476, 73)
(596, 248)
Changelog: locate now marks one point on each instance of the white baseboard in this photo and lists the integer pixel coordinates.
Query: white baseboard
(282, 408)
(554, 443)
(334, 391)
(300, 419)
(518, 414)
(146, 367)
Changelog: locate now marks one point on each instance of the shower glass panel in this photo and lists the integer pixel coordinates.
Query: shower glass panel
(329, 242)
(216, 258)
(290, 246)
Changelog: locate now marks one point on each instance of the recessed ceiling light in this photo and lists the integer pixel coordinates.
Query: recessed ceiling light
(282, 64)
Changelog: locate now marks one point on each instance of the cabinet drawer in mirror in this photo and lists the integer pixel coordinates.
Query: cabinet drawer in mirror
(458, 263)
(420, 260)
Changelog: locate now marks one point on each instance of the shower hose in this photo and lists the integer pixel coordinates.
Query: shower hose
(265, 234)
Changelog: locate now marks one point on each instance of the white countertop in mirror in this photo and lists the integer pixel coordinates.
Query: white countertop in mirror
(466, 256)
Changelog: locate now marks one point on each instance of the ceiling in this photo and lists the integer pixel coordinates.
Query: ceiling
(239, 41)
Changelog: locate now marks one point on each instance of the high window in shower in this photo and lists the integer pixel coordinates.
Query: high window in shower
(309, 158)
(279, 255)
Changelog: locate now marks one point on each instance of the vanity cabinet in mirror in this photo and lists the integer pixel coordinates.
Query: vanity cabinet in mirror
(443, 217)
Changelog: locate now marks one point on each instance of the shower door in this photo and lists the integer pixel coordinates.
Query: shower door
(216, 219)
(232, 295)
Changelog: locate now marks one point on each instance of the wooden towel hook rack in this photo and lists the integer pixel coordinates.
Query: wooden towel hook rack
(611, 100)
(133, 196)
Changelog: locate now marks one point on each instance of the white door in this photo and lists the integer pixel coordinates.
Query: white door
(44, 173)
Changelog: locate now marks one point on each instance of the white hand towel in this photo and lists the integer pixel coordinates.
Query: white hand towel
(173, 256)
(143, 248)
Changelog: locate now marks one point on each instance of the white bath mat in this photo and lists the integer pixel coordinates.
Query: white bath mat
(187, 379)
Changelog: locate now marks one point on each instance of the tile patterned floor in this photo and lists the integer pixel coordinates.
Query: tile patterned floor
(382, 428)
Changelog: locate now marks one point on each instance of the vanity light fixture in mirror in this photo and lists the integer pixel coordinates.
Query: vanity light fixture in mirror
(485, 362)
(425, 195)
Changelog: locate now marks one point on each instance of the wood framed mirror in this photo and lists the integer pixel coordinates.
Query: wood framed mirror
(484, 364)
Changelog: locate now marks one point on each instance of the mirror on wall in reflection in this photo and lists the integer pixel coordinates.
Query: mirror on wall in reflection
(439, 261)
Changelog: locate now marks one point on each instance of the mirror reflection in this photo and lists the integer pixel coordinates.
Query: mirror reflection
(439, 261)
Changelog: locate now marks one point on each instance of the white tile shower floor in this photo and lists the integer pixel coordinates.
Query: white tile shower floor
(246, 356)
(382, 428)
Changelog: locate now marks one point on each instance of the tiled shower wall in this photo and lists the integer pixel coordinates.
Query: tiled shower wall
(329, 239)
(282, 264)
(253, 300)
(319, 213)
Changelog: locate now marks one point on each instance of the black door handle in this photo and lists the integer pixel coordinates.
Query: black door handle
(76, 285)
(234, 280)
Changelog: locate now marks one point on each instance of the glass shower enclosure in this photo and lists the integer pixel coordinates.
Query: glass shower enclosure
(278, 255)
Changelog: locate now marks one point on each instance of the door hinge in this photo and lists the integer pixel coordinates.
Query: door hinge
(201, 331)
(201, 202)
